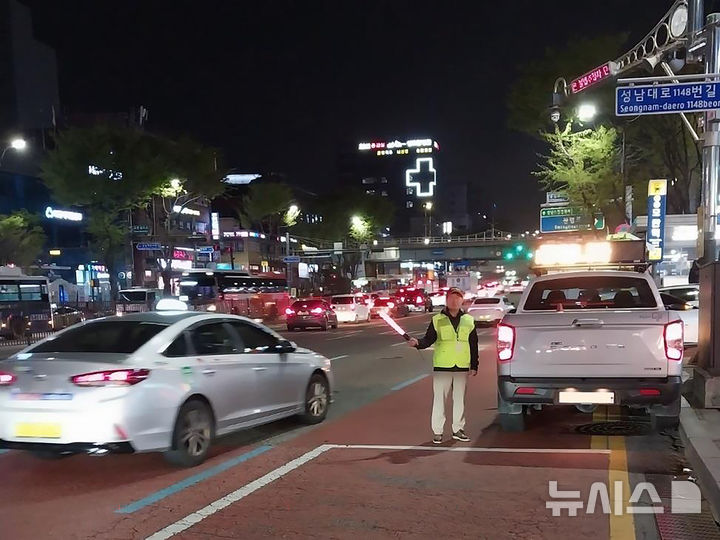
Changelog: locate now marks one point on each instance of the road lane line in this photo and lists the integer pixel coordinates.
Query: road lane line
(237, 495)
(190, 481)
(408, 382)
(398, 344)
(338, 357)
(476, 449)
(349, 334)
(599, 441)
(622, 527)
(388, 333)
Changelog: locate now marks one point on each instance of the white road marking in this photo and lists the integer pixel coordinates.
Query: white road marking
(399, 344)
(239, 494)
(338, 357)
(388, 333)
(349, 334)
(196, 517)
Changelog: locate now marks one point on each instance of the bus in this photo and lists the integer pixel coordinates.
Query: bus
(229, 291)
(137, 299)
(24, 306)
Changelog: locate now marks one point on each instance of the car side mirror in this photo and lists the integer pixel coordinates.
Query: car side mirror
(284, 346)
(513, 310)
(677, 307)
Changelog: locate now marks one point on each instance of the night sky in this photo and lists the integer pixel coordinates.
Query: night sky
(283, 86)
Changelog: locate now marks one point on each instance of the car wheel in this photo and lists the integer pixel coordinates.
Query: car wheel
(335, 325)
(291, 328)
(192, 435)
(325, 326)
(662, 423)
(317, 400)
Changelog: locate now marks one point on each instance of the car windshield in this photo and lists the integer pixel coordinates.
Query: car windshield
(307, 304)
(343, 300)
(481, 301)
(123, 337)
(591, 292)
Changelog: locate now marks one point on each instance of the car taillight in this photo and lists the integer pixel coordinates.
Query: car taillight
(115, 377)
(6, 379)
(317, 310)
(649, 392)
(526, 390)
(390, 305)
(674, 342)
(289, 311)
(505, 342)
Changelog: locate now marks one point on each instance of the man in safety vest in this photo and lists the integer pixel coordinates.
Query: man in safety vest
(456, 354)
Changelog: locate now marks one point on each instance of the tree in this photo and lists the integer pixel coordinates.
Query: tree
(21, 239)
(190, 175)
(108, 171)
(584, 165)
(265, 206)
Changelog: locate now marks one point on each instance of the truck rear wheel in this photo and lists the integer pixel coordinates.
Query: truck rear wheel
(664, 417)
(512, 422)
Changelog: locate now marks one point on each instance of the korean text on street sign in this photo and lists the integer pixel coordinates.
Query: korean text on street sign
(592, 77)
(140, 229)
(563, 219)
(657, 192)
(148, 246)
(291, 259)
(667, 98)
(205, 249)
(556, 197)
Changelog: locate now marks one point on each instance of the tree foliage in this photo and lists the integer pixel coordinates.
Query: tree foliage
(21, 239)
(265, 205)
(584, 165)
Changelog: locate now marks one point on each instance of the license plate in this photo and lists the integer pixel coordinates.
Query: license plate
(24, 396)
(38, 430)
(583, 398)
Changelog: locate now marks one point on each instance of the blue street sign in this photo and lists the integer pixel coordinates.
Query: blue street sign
(148, 246)
(667, 98)
(205, 249)
(655, 238)
(291, 259)
(438, 252)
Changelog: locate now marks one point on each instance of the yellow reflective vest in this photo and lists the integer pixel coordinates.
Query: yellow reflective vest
(452, 347)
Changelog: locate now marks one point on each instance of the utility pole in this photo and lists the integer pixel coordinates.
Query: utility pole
(711, 146)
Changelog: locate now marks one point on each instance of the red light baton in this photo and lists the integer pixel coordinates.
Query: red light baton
(395, 326)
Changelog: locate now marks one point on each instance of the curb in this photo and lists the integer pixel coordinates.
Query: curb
(700, 433)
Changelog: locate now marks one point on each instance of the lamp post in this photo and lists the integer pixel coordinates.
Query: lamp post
(18, 144)
(428, 218)
(290, 218)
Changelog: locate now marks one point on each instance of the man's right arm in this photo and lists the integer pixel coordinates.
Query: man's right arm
(429, 338)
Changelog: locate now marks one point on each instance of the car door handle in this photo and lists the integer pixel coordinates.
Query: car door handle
(208, 372)
(587, 322)
(259, 369)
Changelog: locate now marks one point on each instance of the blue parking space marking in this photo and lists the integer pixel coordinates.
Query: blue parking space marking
(408, 383)
(191, 481)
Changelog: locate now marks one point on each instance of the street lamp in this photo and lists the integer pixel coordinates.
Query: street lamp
(586, 112)
(18, 144)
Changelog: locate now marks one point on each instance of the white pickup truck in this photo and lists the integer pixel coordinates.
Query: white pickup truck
(588, 338)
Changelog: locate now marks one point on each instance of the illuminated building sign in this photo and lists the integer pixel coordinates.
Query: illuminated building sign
(240, 179)
(188, 211)
(593, 77)
(97, 171)
(65, 215)
(392, 145)
(215, 225)
(422, 178)
(657, 193)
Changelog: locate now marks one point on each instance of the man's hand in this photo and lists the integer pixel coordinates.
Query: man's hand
(413, 342)
(473, 372)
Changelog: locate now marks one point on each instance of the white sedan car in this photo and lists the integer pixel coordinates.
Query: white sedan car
(687, 312)
(489, 311)
(688, 293)
(156, 381)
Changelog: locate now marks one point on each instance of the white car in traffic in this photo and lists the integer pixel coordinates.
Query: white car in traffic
(350, 308)
(489, 311)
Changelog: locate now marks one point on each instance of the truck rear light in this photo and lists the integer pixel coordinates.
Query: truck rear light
(6, 379)
(525, 390)
(115, 377)
(674, 341)
(649, 392)
(505, 342)
(289, 311)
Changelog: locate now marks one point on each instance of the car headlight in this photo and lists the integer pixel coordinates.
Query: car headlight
(212, 307)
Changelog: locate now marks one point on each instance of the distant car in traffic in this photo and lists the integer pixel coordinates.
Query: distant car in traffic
(687, 312)
(489, 311)
(310, 313)
(168, 382)
(350, 308)
(64, 316)
(438, 298)
(418, 300)
(687, 293)
(391, 306)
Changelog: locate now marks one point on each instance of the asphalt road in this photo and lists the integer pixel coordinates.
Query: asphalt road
(369, 470)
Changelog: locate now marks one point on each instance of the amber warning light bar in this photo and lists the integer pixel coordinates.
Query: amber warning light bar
(395, 326)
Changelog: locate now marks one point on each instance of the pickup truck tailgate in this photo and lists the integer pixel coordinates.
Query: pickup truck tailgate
(591, 343)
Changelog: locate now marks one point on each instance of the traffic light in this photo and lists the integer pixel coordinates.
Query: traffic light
(519, 248)
(509, 256)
